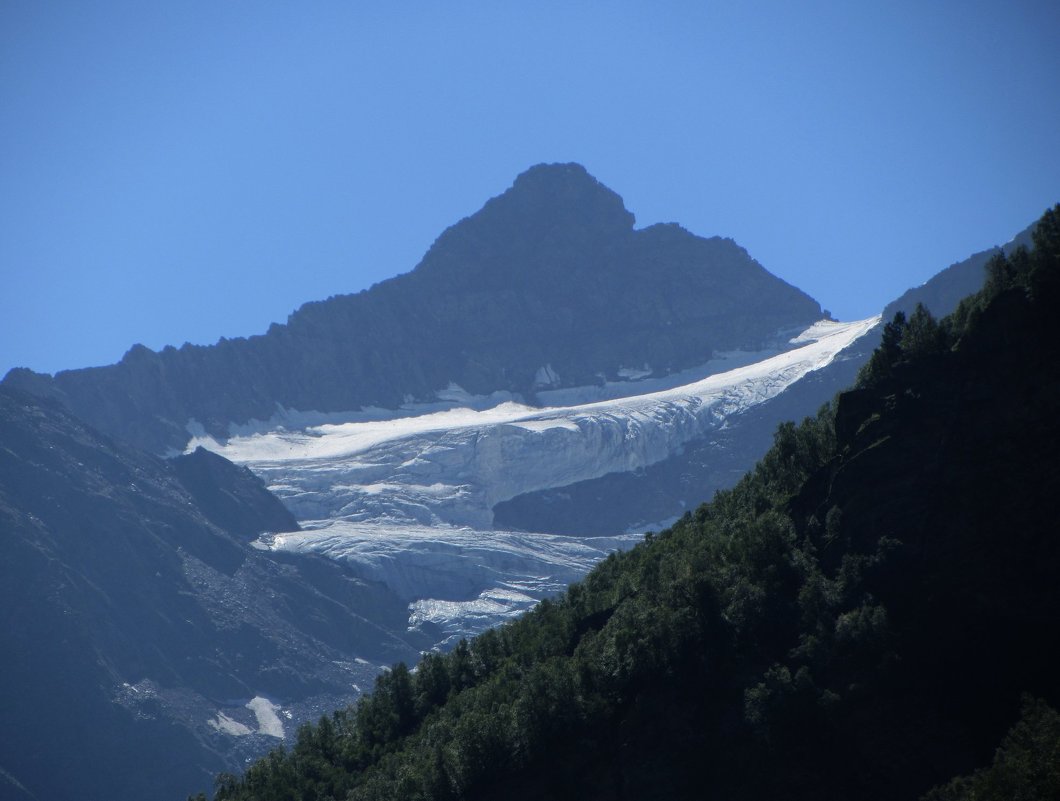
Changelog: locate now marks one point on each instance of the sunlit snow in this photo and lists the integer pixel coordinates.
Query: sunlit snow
(265, 713)
(225, 724)
(268, 721)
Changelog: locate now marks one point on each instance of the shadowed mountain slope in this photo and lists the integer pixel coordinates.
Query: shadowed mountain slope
(135, 613)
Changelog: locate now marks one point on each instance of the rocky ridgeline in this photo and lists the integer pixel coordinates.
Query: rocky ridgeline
(548, 285)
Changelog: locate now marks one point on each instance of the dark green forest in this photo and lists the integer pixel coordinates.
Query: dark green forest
(865, 615)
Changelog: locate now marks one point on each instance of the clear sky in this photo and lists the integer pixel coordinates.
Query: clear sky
(182, 171)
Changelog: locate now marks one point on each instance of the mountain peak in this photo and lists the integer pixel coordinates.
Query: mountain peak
(551, 272)
(556, 170)
(557, 176)
(567, 192)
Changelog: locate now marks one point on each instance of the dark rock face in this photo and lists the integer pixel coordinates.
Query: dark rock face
(549, 274)
(231, 496)
(134, 612)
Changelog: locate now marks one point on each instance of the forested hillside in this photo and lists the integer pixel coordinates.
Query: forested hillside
(862, 616)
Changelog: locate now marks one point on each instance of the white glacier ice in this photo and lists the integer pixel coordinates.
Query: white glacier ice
(461, 579)
(408, 499)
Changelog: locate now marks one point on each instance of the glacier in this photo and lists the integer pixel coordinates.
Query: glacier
(458, 579)
(406, 498)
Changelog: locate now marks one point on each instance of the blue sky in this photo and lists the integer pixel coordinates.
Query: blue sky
(182, 171)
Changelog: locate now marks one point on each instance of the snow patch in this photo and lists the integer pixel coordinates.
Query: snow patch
(226, 725)
(268, 721)
(265, 713)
